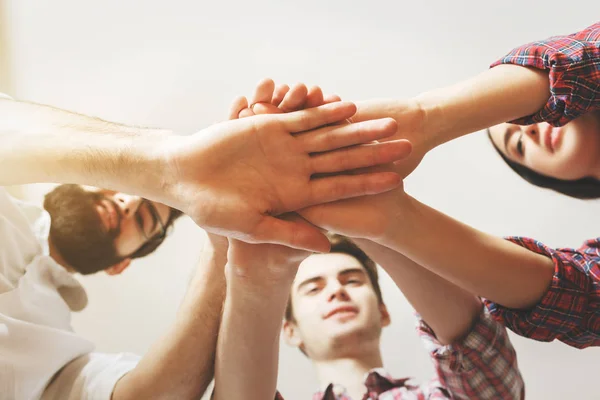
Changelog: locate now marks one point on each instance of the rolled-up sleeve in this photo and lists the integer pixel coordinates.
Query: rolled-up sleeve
(573, 64)
(569, 309)
(483, 365)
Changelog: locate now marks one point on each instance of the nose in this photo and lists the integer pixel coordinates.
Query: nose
(337, 291)
(127, 204)
(532, 132)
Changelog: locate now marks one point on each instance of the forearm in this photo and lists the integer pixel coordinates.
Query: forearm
(448, 310)
(480, 263)
(499, 94)
(44, 144)
(181, 364)
(248, 345)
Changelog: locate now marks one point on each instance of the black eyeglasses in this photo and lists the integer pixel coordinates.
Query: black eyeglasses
(155, 217)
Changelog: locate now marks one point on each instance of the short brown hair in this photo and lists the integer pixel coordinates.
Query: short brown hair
(342, 244)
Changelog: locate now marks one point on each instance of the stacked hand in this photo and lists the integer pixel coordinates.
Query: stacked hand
(235, 177)
(369, 217)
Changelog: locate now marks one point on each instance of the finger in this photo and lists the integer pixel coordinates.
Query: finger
(246, 112)
(279, 94)
(373, 109)
(263, 92)
(324, 190)
(296, 234)
(331, 98)
(338, 136)
(266, 108)
(294, 99)
(312, 118)
(237, 106)
(314, 98)
(366, 155)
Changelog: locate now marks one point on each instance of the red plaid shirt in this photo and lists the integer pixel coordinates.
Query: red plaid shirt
(481, 366)
(570, 309)
(573, 63)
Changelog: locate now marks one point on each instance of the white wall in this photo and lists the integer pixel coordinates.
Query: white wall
(178, 64)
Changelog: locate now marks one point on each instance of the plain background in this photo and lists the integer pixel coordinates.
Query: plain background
(178, 64)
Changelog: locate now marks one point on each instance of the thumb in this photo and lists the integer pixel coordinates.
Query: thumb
(373, 109)
(297, 234)
(266, 108)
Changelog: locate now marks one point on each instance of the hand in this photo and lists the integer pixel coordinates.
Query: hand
(234, 177)
(411, 122)
(268, 99)
(368, 217)
(265, 263)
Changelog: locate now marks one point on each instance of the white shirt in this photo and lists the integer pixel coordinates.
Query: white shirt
(37, 297)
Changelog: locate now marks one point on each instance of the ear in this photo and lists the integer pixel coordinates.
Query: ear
(118, 268)
(385, 315)
(291, 334)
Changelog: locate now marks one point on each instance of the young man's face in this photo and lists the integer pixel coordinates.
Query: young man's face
(91, 225)
(335, 308)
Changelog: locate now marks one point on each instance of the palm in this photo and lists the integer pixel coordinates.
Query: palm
(253, 169)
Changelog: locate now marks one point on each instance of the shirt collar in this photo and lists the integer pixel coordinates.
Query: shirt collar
(377, 381)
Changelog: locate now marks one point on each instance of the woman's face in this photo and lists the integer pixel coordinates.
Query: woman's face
(570, 152)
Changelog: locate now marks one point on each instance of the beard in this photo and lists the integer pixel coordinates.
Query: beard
(76, 230)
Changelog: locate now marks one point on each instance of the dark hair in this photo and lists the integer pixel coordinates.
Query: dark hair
(153, 244)
(341, 244)
(585, 188)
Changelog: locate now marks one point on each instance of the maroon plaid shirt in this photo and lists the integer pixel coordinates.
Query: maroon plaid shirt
(481, 366)
(570, 309)
(573, 63)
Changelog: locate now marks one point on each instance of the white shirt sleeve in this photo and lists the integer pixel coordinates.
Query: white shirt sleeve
(90, 377)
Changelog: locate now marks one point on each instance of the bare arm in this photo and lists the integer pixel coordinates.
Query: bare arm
(181, 364)
(45, 144)
(259, 278)
(480, 263)
(483, 264)
(500, 94)
(255, 168)
(446, 308)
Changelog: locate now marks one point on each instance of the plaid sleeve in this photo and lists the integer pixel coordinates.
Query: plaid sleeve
(573, 64)
(570, 309)
(483, 365)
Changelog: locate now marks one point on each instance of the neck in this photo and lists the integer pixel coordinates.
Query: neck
(56, 256)
(348, 372)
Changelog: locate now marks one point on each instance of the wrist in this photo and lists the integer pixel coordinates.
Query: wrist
(401, 222)
(261, 278)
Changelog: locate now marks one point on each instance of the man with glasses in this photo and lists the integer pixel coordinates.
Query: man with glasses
(233, 178)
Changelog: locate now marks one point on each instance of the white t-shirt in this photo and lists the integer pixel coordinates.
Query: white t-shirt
(37, 297)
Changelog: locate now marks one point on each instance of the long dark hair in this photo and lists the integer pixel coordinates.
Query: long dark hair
(585, 188)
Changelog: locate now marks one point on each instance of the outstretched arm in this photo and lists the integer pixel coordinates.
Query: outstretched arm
(181, 364)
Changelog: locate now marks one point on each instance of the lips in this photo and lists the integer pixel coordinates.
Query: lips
(108, 214)
(551, 136)
(340, 310)
(547, 138)
(555, 138)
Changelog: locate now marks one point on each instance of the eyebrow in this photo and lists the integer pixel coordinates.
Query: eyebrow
(507, 136)
(154, 215)
(342, 273)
